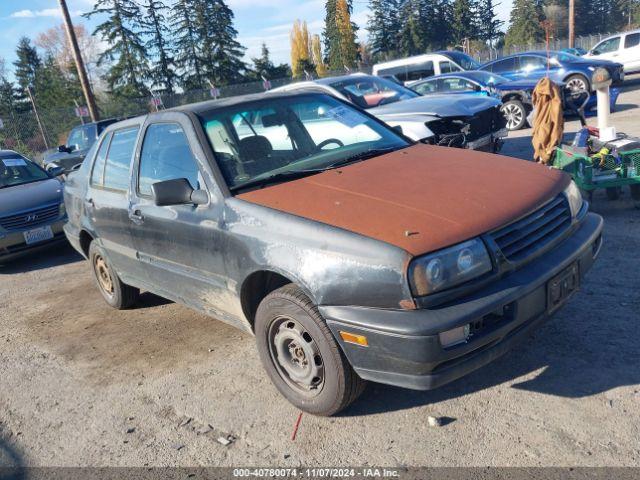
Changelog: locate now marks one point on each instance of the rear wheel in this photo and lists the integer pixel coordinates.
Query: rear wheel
(116, 293)
(515, 113)
(576, 83)
(302, 358)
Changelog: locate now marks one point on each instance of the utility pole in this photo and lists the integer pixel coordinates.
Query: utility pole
(35, 110)
(82, 73)
(572, 22)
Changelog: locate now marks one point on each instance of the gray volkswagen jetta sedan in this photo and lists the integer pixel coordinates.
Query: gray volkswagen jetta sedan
(31, 208)
(350, 252)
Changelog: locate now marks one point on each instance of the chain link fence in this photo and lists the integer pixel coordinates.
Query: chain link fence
(22, 132)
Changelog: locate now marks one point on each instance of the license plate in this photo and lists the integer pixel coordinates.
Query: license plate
(562, 286)
(38, 235)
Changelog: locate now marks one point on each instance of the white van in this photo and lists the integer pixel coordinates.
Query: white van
(407, 70)
(623, 48)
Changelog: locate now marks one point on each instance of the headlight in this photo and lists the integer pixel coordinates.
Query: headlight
(62, 210)
(574, 197)
(449, 267)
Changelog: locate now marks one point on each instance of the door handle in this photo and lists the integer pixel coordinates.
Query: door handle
(89, 203)
(136, 217)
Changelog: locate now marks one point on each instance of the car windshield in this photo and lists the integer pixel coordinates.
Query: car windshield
(368, 92)
(464, 60)
(279, 139)
(17, 170)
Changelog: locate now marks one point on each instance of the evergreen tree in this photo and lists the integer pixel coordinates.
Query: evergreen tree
(384, 26)
(441, 24)
(524, 24)
(186, 47)
(28, 64)
(489, 26)
(221, 52)
(338, 41)
(53, 88)
(162, 74)
(7, 97)
(464, 21)
(412, 34)
(263, 66)
(121, 30)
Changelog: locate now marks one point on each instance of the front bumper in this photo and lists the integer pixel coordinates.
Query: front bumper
(404, 346)
(13, 245)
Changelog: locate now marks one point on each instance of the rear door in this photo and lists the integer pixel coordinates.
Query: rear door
(630, 55)
(106, 200)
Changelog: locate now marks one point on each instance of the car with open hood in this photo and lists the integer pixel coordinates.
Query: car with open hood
(32, 211)
(350, 252)
(460, 121)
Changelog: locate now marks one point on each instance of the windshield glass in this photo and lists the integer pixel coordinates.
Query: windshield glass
(367, 91)
(17, 170)
(277, 139)
(464, 60)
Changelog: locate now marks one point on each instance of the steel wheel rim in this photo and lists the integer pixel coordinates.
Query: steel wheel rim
(576, 84)
(296, 356)
(513, 114)
(103, 274)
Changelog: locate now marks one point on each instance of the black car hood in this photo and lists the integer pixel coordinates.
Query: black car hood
(28, 196)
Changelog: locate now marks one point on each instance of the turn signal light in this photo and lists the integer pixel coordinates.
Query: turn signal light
(355, 339)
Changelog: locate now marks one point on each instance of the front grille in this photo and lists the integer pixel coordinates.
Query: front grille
(30, 218)
(521, 239)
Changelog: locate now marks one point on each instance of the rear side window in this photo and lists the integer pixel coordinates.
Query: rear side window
(530, 63)
(116, 170)
(448, 67)
(632, 40)
(166, 156)
(506, 65)
(97, 174)
(426, 87)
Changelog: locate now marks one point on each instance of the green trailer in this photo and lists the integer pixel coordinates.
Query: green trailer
(607, 171)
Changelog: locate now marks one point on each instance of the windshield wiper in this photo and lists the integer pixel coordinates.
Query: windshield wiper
(275, 178)
(372, 152)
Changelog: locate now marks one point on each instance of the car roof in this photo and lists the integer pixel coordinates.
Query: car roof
(9, 153)
(619, 34)
(410, 60)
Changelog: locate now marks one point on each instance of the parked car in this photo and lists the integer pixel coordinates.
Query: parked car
(349, 252)
(622, 47)
(515, 94)
(575, 72)
(410, 69)
(79, 141)
(463, 121)
(31, 208)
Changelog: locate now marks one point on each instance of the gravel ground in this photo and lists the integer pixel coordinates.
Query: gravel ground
(84, 385)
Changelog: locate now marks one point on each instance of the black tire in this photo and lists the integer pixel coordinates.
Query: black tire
(635, 192)
(613, 193)
(515, 113)
(116, 293)
(285, 318)
(573, 82)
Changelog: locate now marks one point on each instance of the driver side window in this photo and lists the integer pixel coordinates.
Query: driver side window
(166, 155)
(608, 46)
(426, 88)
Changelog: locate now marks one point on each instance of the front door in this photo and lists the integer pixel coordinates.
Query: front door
(181, 247)
(608, 49)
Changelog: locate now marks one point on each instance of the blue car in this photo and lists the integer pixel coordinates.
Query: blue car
(514, 94)
(575, 72)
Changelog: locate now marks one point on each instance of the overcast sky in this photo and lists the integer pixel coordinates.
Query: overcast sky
(257, 21)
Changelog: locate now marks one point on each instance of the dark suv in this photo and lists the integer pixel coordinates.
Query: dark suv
(70, 155)
(351, 253)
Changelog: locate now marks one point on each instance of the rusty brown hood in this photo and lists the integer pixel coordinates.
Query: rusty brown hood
(421, 198)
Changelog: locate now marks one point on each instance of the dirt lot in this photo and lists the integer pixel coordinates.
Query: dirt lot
(81, 384)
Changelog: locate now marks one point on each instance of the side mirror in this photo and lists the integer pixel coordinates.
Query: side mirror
(56, 171)
(63, 149)
(398, 129)
(177, 192)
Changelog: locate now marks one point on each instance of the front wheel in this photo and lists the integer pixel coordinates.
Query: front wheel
(515, 113)
(301, 356)
(576, 83)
